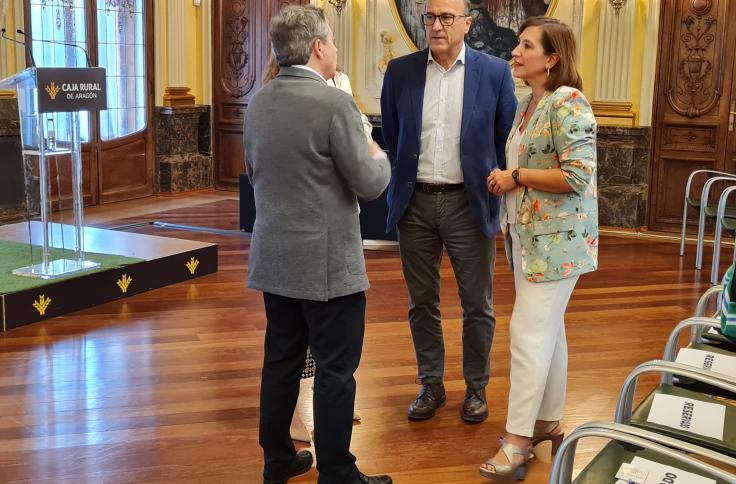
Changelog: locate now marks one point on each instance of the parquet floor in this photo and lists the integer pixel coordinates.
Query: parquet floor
(163, 386)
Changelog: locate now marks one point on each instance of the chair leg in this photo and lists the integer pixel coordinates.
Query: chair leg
(684, 226)
(714, 268)
(701, 237)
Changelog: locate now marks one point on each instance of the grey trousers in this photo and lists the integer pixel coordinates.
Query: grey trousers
(434, 221)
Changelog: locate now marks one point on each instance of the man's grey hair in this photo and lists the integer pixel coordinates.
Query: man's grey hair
(293, 32)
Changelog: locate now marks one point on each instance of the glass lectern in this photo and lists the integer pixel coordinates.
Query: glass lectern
(49, 102)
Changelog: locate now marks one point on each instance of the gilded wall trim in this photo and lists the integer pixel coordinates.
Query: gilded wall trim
(613, 113)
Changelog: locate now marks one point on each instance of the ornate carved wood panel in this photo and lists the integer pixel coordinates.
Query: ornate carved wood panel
(240, 50)
(694, 76)
(238, 67)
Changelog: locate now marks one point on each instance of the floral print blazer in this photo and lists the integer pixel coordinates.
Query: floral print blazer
(558, 232)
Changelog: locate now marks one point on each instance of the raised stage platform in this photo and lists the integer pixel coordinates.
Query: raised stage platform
(165, 261)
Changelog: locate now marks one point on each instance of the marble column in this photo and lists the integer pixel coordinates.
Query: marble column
(612, 100)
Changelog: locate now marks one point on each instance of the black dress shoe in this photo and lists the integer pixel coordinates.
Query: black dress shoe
(300, 465)
(363, 479)
(430, 398)
(475, 408)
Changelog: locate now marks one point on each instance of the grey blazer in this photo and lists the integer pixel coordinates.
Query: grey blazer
(308, 161)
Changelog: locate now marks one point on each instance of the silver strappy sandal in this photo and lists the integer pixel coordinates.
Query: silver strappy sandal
(513, 467)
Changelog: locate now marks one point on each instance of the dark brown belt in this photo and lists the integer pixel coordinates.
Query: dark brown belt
(438, 187)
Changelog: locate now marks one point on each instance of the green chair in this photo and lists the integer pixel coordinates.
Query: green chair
(626, 444)
(724, 220)
(639, 417)
(705, 336)
(705, 326)
(704, 206)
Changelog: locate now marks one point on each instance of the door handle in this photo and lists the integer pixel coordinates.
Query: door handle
(731, 116)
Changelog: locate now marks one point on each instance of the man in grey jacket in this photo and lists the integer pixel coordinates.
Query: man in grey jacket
(308, 161)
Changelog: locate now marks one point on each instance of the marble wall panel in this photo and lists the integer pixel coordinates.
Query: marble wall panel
(624, 157)
(183, 148)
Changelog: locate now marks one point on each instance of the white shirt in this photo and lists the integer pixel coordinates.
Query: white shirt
(442, 114)
(512, 163)
(307, 68)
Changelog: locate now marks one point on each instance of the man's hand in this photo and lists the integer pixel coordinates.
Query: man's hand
(374, 149)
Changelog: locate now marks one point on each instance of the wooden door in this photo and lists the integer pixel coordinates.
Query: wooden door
(241, 49)
(125, 134)
(693, 97)
(118, 148)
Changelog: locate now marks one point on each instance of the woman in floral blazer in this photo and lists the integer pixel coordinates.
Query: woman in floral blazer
(558, 231)
(549, 215)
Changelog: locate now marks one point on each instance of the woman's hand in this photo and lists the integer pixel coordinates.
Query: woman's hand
(500, 182)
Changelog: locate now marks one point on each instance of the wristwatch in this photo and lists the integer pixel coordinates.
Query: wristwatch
(515, 176)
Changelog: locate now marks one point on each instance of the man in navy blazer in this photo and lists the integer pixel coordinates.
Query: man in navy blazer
(446, 113)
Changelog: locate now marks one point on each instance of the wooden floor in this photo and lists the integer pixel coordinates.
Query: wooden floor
(163, 386)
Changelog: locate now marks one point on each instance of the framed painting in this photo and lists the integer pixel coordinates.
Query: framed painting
(494, 28)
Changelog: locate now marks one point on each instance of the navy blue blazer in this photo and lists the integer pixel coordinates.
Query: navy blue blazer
(489, 105)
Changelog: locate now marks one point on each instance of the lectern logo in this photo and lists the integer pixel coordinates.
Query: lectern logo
(41, 304)
(124, 282)
(52, 89)
(192, 265)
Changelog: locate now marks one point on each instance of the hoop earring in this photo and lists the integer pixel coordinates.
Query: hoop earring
(547, 67)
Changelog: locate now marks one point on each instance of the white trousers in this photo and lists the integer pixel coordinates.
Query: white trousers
(538, 349)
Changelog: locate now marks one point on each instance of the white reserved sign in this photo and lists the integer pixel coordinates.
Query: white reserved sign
(702, 418)
(661, 474)
(723, 364)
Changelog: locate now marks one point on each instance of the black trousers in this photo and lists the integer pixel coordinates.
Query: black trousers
(334, 331)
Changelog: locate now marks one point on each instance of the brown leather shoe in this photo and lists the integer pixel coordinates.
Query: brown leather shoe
(475, 409)
(430, 398)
